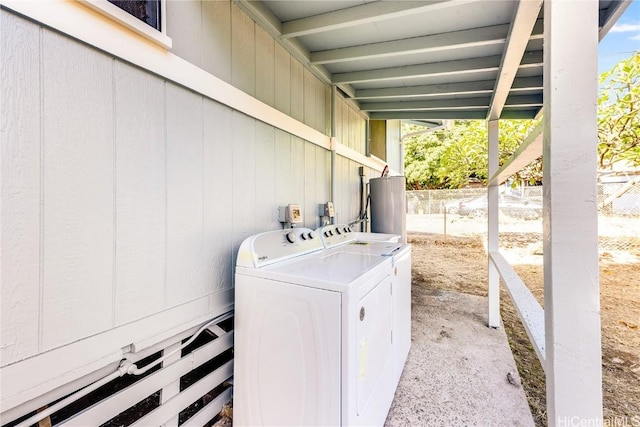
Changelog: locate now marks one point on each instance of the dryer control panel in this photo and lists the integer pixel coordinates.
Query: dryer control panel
(336, 234)
(273, 246)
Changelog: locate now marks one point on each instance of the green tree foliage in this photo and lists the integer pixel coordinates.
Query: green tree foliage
(454, 157)
(618, 118)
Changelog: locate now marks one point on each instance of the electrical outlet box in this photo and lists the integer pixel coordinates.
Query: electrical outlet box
(290, 213)
(328, 210)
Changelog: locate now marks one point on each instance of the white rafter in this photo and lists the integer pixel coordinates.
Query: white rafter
(447, 89)
(520, 101)
(461, 66)
(358, 15)
(522, 25)
(484, 36)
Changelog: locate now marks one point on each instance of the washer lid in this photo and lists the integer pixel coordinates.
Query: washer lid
(372, 248)
(337, 270)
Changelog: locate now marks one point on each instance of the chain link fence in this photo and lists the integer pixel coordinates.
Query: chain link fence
(463, 212)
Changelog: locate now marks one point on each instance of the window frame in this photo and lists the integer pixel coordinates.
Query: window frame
(129, 21)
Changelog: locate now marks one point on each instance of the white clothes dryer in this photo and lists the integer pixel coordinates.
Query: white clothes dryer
(340, 237)
(312, 333)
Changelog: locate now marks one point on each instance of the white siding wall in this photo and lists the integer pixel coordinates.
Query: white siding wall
(125, 195)
(350, 131)
(21, 188)
(395, 149)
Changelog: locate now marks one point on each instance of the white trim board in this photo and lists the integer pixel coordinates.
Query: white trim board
(89, 26)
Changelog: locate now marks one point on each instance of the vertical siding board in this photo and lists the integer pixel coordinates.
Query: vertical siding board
(327, 110)
(362, 135)
(345, 124)
(20, 187)
(184, 26)
(344, 185)
(282, 79)
(244, 174)
(338, 114)
(265, 67)
(354, 190)
(323, 173)
(78, 191)
(297, 91)
(184, 129)
(353, 130)
(321, 107)
(243, 59)
(310, 165)
(297, 170)
(218, 195)
(140, 194)
(216, 39)
(283, 161)
(309, 90)
(266, 211)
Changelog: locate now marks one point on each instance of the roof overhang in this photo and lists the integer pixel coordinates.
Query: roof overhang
(422, 60)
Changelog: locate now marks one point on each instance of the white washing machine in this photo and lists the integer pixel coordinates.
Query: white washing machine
(313, 342)
(340, 237)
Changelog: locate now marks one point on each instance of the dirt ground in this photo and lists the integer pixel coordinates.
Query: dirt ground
(460, 264)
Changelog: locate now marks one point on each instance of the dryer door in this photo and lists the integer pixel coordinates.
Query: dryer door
(373, 345)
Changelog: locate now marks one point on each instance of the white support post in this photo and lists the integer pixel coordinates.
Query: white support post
(571, 282)
(492, 234)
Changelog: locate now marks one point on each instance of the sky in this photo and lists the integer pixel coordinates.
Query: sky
(622, 40)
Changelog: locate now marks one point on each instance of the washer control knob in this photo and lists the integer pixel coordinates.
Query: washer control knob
(326, 233)
(330, 232)
(338, 230)
(311, 235)
(347, 229)
(291, 237)
(303, 236)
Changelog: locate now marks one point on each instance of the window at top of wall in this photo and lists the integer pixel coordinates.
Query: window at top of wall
(147, 11)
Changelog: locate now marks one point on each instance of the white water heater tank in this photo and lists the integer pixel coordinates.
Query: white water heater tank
(389, 206)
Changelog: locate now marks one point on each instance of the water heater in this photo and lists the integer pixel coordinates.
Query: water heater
(389, 206)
